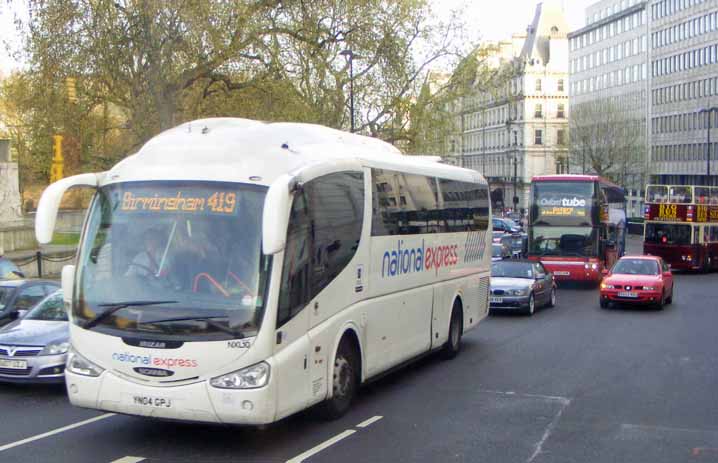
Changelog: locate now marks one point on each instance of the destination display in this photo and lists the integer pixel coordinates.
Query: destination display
(670, 212)
(190, 201)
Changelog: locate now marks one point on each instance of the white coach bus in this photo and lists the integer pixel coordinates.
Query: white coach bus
(234, 271)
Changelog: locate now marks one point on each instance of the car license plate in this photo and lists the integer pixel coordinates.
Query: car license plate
(562, 273)
(630, 295)
(496, 300)
(151, 401)
(13, 364)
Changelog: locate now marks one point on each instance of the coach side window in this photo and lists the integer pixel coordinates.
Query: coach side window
(294, 291)
(336, 205)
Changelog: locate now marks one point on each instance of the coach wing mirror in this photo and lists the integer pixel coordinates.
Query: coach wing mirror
(275, 218)
(50, 203)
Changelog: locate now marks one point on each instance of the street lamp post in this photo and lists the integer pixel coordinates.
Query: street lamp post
(349, 55)
(709, 112)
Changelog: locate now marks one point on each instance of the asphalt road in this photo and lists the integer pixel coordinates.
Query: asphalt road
(572, 384)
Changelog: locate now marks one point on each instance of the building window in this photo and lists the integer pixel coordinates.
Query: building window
(538, 111)
(538, 85)
(538, 137)
(560, 137)
(560, 113)
(560, 85)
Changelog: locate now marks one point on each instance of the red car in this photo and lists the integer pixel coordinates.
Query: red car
(643, 280)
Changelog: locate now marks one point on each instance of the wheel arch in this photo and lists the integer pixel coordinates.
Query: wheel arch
(350, 331)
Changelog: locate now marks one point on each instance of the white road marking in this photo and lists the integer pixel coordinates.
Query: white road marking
(322, 446)
(129, 459)
(55, 431)
(556, 398)
(369, 422)
(549, 429)
(668, 429)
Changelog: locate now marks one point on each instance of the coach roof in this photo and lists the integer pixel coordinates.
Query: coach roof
(231, 149)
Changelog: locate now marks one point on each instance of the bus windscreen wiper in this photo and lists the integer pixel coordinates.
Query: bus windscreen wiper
(114, 307)
(209, 320)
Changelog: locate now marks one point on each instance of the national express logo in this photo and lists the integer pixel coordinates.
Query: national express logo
(152, 361)
(401, 261)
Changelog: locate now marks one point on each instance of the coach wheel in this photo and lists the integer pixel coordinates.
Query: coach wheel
(453, 344)
(345, 382)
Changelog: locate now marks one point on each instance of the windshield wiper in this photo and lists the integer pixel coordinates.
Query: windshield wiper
(209, 320)
(114, 307)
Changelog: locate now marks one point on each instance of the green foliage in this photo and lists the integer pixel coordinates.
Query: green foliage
(142, 67)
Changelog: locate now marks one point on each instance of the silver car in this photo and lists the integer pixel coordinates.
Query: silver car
(521, 285)
(34, 348)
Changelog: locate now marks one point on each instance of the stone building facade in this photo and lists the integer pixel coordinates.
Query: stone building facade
(518, 127)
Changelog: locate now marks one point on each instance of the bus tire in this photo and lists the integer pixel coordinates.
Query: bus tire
(456, 327)
(345, 381)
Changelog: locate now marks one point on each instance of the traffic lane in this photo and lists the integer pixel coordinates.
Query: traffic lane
(638, 386)
(498, 358)
(119, 436)
(31, 409)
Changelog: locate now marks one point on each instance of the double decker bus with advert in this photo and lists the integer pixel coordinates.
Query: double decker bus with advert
(577, 225)
(233, 271)
(681, 226)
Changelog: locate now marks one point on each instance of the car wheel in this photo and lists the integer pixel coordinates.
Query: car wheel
(344, 382)
(669, 300)
(453, 344)
(552, 298)
(532, 305)
(661, 302)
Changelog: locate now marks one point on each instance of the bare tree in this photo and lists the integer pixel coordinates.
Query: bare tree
(606, 140)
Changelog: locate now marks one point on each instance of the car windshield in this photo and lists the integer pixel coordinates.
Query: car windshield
(508, 269)
(636, 267)
(50, 309)
(563, 241)
(496, 250)
(663, 233)
(7, 267)
(194, 244)
(5, 296)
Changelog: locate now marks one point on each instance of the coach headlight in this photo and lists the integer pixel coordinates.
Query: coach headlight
(79, 365)
(252, 377)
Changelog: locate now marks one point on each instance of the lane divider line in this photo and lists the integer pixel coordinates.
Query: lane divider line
(54, 432)
(322, 446)
(369, 422)
(129, 459)
(538, 449)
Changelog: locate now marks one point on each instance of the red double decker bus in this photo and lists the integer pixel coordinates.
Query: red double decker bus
(577, 225)
(682, 225)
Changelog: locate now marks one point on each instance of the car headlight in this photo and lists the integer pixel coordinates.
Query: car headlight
(55, 348)
(79, 365)
(649, 288)
(518, 292)
(252, 377)
(605, 286)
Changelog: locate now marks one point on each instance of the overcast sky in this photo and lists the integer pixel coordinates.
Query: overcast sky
(488, 19)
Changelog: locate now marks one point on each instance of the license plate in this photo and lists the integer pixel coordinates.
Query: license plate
(151, 401)
(496, 300)
(13, 364)
(561, 273)
(631, 295)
